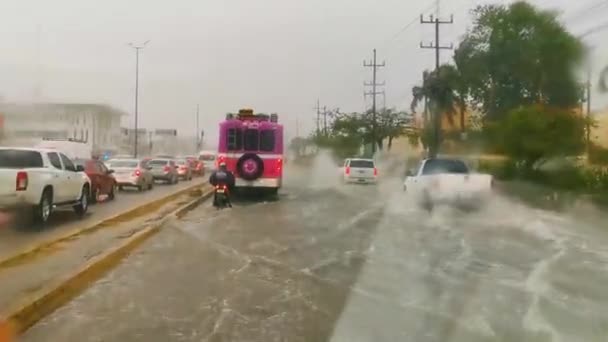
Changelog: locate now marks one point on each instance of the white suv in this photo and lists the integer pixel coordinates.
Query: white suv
(359, 170)
(41, 179)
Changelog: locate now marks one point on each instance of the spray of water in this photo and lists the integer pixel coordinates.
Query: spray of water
(325, 172)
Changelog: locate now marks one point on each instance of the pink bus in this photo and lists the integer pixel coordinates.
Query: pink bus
(252, 148)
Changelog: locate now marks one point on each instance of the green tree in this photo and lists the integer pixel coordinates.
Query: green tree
(533, 133)
(518, 55)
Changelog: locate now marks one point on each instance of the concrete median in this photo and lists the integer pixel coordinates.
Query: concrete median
(38, 304)
(33, 250)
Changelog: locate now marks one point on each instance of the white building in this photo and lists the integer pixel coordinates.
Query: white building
(24, 124)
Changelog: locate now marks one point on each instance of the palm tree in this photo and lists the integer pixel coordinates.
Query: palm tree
(440, 88)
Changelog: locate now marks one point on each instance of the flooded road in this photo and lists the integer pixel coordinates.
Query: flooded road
(327, 262)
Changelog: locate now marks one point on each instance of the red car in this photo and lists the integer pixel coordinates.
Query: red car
(196, 165)
(102, 180)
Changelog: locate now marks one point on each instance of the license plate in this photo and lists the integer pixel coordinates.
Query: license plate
(361, 180)
(220, 191)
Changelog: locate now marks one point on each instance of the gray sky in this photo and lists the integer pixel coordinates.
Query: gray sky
(272, 55)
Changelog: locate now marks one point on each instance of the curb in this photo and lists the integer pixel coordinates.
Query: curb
(131, 213)
(45, 301)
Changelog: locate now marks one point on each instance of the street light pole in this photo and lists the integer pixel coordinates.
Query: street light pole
(137, 49)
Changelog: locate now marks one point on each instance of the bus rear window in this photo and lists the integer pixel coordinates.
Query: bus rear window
(251, 140)
(267, 140)
(16, 159)
(234, 139)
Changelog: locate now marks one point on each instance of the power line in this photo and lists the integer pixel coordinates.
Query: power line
(413, 21)
(594, 29)
(584, 11)
(374, 65)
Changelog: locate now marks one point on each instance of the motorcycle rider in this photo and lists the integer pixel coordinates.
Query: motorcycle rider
(222, 176)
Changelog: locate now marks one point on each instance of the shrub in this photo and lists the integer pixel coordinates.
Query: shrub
(598, 155)
(532, 133)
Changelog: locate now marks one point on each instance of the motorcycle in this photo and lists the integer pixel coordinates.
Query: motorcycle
(221, 197)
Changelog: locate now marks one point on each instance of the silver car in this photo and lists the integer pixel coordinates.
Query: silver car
(131, 173)
(164, 169)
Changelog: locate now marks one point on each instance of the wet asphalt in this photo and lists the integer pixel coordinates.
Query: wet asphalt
(330, 262)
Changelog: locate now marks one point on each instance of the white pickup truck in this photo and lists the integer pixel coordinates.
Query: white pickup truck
(447, 181)
(43, 180)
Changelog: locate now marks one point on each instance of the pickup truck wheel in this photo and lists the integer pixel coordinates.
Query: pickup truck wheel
(43, 210)
(81, 208)
(427, 203)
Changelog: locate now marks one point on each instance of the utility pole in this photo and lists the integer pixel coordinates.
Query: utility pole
(437, 47)
(325, 120)
(150, 141)
(198, 132)
(374, 65)
(588, 86)
(318, 109)
(137, 49)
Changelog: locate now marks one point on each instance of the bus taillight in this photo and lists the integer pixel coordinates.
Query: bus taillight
(279, 165)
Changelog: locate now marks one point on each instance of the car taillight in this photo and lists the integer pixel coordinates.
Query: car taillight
(166, 168)
(21, 182)
(137, 173)
(375, 172)
(279, 165)
(347, 170)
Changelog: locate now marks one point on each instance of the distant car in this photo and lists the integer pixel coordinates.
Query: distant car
(164, 169)
(359, 170)
(184, 169)
(447, 181)
(209, 159)
(197, 166)
(102, 179)
(131, 173)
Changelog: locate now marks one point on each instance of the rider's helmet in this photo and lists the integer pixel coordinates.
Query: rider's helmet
(222, 165)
